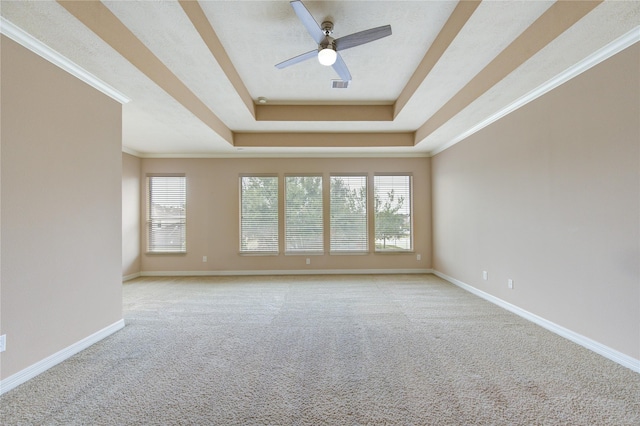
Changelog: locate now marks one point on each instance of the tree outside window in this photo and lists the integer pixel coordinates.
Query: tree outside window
(348, 197)
(259, 214)
(392, 207)
(303, 214)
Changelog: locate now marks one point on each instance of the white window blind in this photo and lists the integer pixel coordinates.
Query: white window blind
(392, 209)
(303, 214)
(259, 214)
(167, 214)
(348, 201)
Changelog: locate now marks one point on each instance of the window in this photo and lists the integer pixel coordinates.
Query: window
(259, 214)
(303, 214)
(393, 226)
(348, 201)
(167, 214)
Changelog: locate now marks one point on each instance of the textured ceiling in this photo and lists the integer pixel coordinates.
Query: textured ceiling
(193, 71)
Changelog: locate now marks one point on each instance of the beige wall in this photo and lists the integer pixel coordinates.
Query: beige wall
(61, 209)
(130, 215)
(213, 215)
(549, 196)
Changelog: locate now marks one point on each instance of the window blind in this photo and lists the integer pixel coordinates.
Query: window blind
(303, 214)
(392, 208)
(259, 214)
(167, 214)
(348, 201)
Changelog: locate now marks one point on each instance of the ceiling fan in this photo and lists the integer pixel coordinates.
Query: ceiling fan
(328, 47)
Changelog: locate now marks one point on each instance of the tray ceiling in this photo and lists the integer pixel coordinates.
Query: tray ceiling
(194, 71)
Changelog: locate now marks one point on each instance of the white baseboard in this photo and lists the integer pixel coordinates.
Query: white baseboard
(283, 272)
(130, 277)
(41, 366)
(599, 348)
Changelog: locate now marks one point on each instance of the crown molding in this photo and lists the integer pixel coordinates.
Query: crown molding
(132, 152)
(36, 46)
(590, 61)
(245, 155)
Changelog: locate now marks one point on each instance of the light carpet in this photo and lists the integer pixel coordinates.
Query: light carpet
(324, 350)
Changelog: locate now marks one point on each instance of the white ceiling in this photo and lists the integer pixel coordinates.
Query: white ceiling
(256, 35)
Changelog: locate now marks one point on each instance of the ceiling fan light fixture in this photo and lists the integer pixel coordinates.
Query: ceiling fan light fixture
(327, 56)
(328, 46)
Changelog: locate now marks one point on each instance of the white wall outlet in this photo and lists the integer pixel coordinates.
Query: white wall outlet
(308, 261)
(510, 283)
(3, 343)
(485, 275)
(204, 258)
(418, 257)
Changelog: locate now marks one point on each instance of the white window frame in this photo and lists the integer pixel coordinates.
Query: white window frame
(406, 210)
(288, 237)
(244, 246)
(176, 218)
(337, 244)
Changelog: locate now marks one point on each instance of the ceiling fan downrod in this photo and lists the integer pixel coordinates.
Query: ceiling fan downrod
(327, 28)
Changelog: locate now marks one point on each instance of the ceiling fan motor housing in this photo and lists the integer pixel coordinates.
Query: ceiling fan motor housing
(327, 43)
(327, 28)
(327, 53)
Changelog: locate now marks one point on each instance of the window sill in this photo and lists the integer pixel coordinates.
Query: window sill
(348, 253)
(165, 253)
(304, 253)
(258, 253)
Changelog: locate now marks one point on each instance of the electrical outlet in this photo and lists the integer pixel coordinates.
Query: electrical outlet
(3, 343)
(308, 261)
(510, 283)
(204, 258)
(418, 257)
(485, 275)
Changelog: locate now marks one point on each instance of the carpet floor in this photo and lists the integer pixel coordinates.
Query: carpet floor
(318, 350)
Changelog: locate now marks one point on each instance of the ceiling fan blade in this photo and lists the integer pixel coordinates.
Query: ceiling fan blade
(307, 20)
(362, 37)
(299, 58)
(341, 69)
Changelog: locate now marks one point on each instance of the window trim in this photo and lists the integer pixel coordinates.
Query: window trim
(304, 252)
(367, 219)
(148, 222)
(411, 203)
(278, 233)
